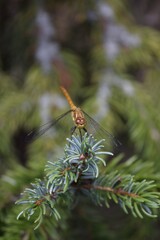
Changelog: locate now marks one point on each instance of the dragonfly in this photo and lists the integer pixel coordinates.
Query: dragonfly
(81, 121)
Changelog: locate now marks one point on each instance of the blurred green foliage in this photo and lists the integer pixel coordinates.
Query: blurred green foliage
(132, 80)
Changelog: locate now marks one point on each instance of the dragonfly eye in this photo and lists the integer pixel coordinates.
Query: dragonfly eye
(80, 121)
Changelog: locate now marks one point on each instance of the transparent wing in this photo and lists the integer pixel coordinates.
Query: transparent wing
(39, 131)
(96, 129)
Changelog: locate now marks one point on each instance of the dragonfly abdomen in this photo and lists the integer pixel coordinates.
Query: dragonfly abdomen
(69, 100)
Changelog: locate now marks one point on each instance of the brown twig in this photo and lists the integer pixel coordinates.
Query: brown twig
(108, 189)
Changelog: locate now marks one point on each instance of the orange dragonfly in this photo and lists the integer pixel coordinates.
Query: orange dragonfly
(81, 121)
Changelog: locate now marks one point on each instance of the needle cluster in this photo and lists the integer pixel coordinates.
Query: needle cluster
(79, 170)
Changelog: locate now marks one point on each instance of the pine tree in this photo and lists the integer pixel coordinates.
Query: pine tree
(107, 54)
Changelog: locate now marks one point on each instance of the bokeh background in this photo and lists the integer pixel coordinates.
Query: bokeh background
(107, 54)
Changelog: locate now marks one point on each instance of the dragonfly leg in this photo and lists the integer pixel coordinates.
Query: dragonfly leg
(80, 133)
(85, 130)
(73, 129)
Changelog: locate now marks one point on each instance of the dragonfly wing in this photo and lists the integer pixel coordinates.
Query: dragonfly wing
(96, 129)
(39, 131)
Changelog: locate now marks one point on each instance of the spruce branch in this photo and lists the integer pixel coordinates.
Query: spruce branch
(79, 169)
(38, 202)
(129, 194)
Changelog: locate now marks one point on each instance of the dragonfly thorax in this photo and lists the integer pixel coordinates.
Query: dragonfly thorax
(78, 118)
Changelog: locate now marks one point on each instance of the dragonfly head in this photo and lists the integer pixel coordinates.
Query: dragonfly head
(78, 118)
(80, 122)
